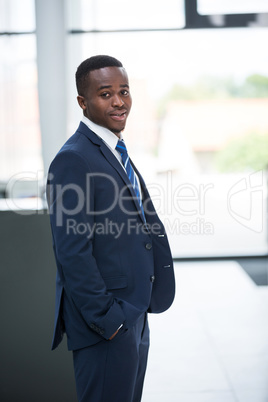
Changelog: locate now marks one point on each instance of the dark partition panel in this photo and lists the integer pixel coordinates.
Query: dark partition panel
(29, 370)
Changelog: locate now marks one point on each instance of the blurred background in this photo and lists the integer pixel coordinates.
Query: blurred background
(199, 81)
(198, 131)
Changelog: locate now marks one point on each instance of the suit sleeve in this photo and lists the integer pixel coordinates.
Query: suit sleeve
(68, 200)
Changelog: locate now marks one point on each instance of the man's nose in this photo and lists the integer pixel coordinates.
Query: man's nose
(117, 101)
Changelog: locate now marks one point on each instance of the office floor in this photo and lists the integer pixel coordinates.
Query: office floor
(212, 344)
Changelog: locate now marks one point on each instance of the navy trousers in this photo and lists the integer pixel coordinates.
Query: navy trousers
(113, 371)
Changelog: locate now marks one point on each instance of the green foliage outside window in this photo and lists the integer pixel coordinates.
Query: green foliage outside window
(207, 87)
(243, 154)
(249, 153)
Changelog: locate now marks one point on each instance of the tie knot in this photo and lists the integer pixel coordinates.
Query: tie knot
(121, 147)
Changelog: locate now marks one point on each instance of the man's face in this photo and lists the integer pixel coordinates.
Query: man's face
(107, 100)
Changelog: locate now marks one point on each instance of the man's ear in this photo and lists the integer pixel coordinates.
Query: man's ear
(81, 101)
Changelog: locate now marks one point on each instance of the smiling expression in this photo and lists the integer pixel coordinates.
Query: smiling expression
(107, 100)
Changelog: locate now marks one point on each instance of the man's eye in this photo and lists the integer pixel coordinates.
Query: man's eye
(125, 92)
(105, 95)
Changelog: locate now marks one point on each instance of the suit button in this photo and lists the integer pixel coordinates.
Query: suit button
(148, 246)
(152, 278)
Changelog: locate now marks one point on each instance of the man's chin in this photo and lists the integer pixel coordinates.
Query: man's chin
(117, 130)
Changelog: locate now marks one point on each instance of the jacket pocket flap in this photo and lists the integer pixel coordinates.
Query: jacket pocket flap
(116, 282)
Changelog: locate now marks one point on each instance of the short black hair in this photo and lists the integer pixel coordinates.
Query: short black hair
(93, 63)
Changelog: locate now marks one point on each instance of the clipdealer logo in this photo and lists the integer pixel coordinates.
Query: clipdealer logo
(183, 206)
(197, 227)
(245, 201)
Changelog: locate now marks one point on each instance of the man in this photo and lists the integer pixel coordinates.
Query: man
(113, 258)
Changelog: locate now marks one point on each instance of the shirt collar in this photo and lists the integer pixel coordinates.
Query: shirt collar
(106, 135)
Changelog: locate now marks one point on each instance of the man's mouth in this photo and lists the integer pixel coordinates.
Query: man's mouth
(119, 116)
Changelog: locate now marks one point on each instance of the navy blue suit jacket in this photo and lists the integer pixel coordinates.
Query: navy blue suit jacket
(111, 265)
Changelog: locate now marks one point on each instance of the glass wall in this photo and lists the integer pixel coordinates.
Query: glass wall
(231, 7)
(198, 130)
(116, 15)
(20, 142)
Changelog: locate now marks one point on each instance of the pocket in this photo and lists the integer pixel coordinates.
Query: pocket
(115, 282)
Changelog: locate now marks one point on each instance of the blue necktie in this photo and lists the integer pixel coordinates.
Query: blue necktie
(121, 147)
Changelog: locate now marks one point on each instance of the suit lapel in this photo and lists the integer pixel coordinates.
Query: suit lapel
(121, 171)
(145, 194)
(109, 156)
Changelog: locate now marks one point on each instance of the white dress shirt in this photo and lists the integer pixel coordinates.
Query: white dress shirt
(110, 139)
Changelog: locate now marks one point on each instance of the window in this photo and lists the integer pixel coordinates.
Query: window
(20, 141)
(231, 7)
